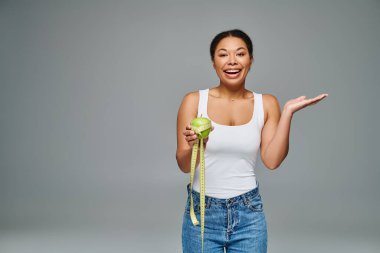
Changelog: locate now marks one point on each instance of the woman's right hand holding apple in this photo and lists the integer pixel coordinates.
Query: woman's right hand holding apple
(191, 137)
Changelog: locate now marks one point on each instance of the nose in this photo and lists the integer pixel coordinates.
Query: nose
(232, 60)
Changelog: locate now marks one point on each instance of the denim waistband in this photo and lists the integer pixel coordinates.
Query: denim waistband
(243, 198)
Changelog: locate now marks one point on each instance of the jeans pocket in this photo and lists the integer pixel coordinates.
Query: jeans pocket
(255, 204)
(196, 204)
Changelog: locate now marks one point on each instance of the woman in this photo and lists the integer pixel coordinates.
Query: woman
(243, 121)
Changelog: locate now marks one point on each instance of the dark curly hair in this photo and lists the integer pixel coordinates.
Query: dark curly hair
(231, 33)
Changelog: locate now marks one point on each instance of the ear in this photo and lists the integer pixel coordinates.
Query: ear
(251, 62)
(213, 64)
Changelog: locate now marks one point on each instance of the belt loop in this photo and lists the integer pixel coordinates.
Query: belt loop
(245, 199)
(208, 203)
(258, 188)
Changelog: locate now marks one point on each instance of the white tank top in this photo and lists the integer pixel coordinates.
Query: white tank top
(231, 153)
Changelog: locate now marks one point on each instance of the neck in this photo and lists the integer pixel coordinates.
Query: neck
(231, 93)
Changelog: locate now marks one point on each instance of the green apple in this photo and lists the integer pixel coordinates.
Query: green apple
(201, 126)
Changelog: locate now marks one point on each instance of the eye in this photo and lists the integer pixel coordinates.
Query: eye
(241, 54)
(222, 55)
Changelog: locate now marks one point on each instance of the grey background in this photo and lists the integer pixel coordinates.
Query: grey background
(88, 104)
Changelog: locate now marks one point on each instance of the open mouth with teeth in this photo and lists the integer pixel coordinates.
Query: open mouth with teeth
(232, 72)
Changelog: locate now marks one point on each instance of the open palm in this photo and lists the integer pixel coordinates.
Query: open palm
(296, 104)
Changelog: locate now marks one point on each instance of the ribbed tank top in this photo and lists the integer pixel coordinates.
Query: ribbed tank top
(231, 153)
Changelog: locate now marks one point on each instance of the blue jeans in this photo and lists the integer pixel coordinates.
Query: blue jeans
(236, 224)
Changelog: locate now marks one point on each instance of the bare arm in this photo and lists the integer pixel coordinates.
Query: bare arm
(275, 133)
(186, 112)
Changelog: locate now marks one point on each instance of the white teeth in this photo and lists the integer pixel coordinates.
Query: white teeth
(232, 71)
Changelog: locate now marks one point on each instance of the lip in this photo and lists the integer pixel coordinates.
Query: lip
(230, 75)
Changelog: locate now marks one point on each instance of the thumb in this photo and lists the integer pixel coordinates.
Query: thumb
(300, 98)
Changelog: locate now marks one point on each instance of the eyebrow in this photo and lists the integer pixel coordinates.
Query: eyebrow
(236, 49)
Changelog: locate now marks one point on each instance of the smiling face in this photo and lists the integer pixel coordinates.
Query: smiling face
(232, 61)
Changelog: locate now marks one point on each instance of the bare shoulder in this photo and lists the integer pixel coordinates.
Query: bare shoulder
(270, 99)
(271, 105)
(188, 108)
(186, 112)
(190, 101)
(192, 95)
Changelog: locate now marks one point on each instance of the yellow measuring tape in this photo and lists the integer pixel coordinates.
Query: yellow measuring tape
(202, 129)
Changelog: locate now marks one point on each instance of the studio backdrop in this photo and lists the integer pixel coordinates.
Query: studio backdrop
(89, 95)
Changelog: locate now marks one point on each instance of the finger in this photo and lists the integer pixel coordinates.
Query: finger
(318, 98)
(300, 98)
(191, 143)
(313, 102)
(316, 101)
(321, 96)
(188, 132)
(191, 138)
